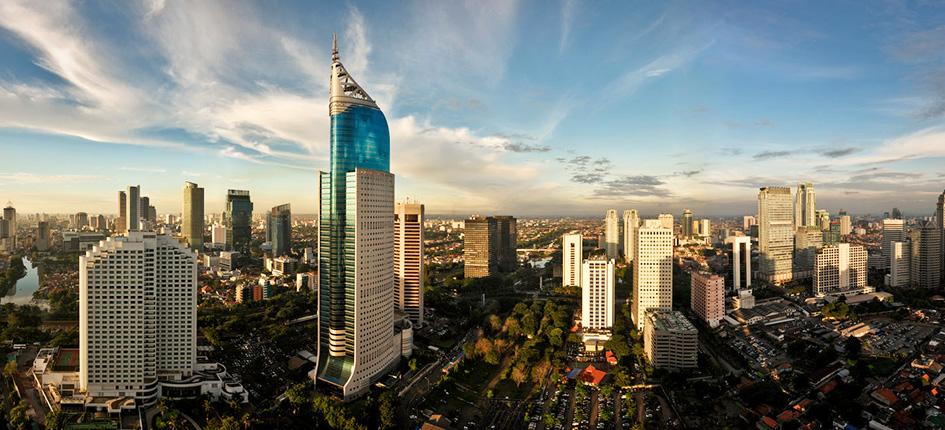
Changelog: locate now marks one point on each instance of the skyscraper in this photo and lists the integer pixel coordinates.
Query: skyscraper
(489, 246)
(823, 219)
(893, 231)
(775, 234)
(840, 269)
(145, 208)
(81, 220)
(846, 225)
(9, 214)
(597, 298)
(631, 221)
(807, 240)
(652, 270)
(900, 267)
(42, 236)
(685, 223)
(139, 327)
(926, 263)
(238, 219)
(280, 229)
(356, 229)
(572, 256)
(611, 233)
(121, 225)
(940, 224)
(192, 224)
(507, 242)
(896, 213)
(408, 260)
(132, 214)
(666, 220)
(805, 205)
(707, 298)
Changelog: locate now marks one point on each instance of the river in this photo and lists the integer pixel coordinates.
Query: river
(22, 292)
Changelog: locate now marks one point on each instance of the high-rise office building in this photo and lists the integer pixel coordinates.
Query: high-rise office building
(489, 246)
(705, 227)
(192, 223)
(612, 234)
(840, 269)
(121, 225)
(218, 235)
(652, 270)
(926, 259)
(133, 214)
(42, 236)
(707, 297)
(356, 342)
(102, 223)
(572, 256)
(670, 341)
(805, 206)
(741, 250)
(9, 214)
(823, 219)
(279, 226)
(137, 316)
(940, 224)
(631, 221)
(807, 240)
(666, 220)
(408, 260)
(775, 234)
(81, 220)
(893, 231)
(145, 208)
(747, 222)
(896, 214)
(685, 223)
(900, 267)
(238, 219)
(597, 298)
(846, 225)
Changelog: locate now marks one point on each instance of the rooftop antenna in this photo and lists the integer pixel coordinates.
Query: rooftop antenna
(334, 47)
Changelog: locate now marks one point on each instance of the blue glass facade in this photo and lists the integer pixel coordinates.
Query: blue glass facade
(359, 139)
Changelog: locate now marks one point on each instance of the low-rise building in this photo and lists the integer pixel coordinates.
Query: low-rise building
(670, 341)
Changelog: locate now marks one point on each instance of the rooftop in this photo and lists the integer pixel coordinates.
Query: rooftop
(670, 321)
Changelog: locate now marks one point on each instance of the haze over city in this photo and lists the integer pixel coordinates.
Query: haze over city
(529, 108)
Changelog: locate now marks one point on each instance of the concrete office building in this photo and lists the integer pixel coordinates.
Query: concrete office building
(900, 267)
(686, 224)
(652, 270)
(846, 225)
(121, 223)
(841, 269)
(597, 298)
(707, 297)
(279, 229)
(666, 220)
(218, 235)
(805, 206)
(807, 240)
(940, 224)
(670, 341)
(192, 223)
(631, 221)
(81, 220)
(747, 222)
(145, 208)
(612, 234)
(775, 234)
(572, 257)
(42, 236)
(408, 260)
(926, 257)
(238, 219)
(357, 340)
(9, 215)
(893, 231)
(133, 212)
(823, 219)
(741, 250)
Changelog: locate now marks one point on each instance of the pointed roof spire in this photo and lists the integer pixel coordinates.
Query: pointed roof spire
(344, 90)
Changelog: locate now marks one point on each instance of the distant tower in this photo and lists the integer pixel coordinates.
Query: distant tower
(572, 255)
(133, 214)
(408, 260)
(652, 270)
(9, 214)
(280, 229)
(192, 224)
(686, 224)
(775, 234)
(631, 221)
(893, 231)
(612, 234)
(597, 298)
(805, 206)
(238, 220)
(121, 223)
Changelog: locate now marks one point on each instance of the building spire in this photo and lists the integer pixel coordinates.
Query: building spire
(334, 48)
(344, 91)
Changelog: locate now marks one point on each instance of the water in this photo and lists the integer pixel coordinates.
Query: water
(22, 292)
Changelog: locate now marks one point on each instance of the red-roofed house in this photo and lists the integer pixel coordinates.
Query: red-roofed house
(611, 358)
(767, 423)
(885, 396)
(592, 376)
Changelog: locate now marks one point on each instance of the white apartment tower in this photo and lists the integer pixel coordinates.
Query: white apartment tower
(137, 315)
(652, 270)
(775, 234)
(893, 231)
(572, 256)
(408, 260)
(597, 295)
(612, 234)
(805, 206)
(900, 264)
(846, 225)
(631, 221)
(840, 269)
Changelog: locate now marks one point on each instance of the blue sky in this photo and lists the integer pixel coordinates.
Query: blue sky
(526, 108)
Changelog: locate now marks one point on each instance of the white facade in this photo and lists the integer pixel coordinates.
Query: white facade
(652, 270)
(670, 341)
(900, 264)
(748, 221)
(218, 234)
(597, 295)
(631, 221)
(805, 206)
(572, 255)
(137, 315)
(776, 234)
(846, 225)
(408, 260)
(371, 198)
(612, 234)
(705, 228)
(741, 250)
(893, 231)
(666, 221)
(840, 269)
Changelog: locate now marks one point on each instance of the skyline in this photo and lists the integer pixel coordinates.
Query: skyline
(689, 108)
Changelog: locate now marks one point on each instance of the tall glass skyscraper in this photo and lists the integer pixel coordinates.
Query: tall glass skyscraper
(279, 227)
(238, 220)
(356, 215)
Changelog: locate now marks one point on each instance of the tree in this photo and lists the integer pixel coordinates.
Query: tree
(554, 337)
(18, 418)
(387, 410)
(297, 395)
(519, 374)
(55, 420)
(225, 423)
(412, 364)
(9, 370)
(853, 347)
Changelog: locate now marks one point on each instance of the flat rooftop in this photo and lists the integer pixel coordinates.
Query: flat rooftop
(671, 321)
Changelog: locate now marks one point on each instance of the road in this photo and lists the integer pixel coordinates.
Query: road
(427, 377)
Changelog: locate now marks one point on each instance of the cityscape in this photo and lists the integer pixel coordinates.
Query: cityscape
(476, 235)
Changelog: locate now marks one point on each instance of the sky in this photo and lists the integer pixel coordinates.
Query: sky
(524, 108)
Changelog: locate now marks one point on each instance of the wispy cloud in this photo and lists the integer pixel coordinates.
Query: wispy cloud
(768, 155)
(569, 11)
(142, 169)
